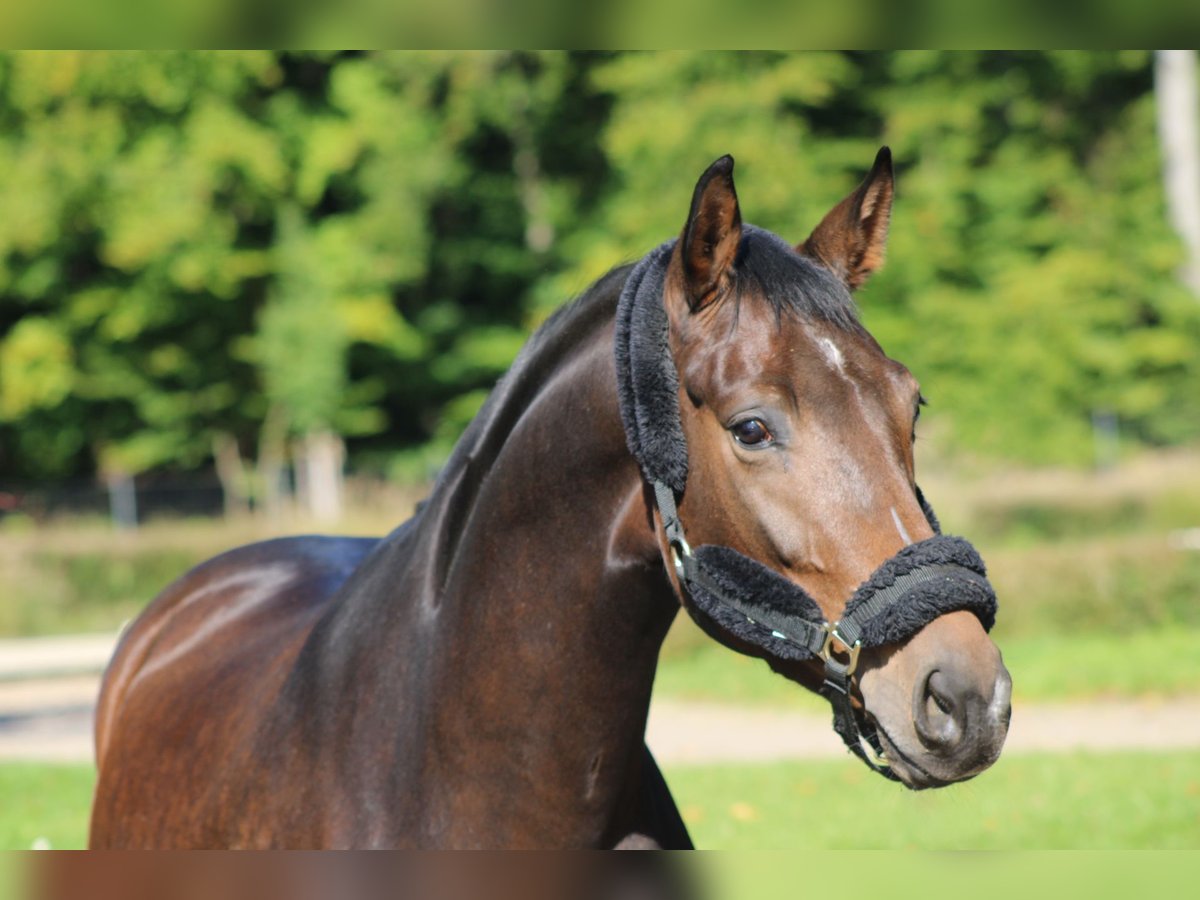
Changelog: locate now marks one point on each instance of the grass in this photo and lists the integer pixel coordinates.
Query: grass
(1044, 667)
(1105, 583)
(44, 801)
(1111, 801)
(898, 875)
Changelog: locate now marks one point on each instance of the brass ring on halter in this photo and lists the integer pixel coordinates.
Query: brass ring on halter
(827, 649)
(680, 546)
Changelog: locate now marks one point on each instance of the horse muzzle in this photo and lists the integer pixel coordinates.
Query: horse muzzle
(940, 703)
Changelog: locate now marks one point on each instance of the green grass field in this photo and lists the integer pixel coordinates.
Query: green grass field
(899, 875)
(1077, 801)
(44, 801)
(1112, 801)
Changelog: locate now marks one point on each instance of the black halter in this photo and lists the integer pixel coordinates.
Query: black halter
(923, 581)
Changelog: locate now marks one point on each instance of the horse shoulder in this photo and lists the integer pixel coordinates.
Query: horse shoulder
(238, 614)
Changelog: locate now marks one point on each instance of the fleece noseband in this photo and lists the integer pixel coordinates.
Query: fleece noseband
(923, 581)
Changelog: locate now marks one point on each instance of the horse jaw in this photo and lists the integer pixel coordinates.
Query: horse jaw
(940, 702)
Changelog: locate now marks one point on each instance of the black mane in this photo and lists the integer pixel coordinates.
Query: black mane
(768, 268)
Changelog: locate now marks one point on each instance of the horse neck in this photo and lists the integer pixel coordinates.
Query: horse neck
(557, 555)
(533, 595)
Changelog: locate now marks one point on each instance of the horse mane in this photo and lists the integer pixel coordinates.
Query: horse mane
(766, 269)
(769, 269)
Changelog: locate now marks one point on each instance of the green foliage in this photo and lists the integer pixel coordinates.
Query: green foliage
(674, 113)
(362, 241)
(1030, 277)
(36, 369)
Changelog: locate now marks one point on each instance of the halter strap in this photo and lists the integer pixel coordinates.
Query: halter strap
(793, 629)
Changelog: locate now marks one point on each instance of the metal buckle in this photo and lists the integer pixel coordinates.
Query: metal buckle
(827, 649)
(678, 546)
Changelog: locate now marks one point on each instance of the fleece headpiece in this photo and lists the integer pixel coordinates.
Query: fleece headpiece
(923, 581)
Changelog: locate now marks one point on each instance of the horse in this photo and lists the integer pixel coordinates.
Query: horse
(481, 676)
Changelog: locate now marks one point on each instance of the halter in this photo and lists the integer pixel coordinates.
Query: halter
(921, 582)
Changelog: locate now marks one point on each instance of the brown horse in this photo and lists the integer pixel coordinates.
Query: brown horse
(482, 675)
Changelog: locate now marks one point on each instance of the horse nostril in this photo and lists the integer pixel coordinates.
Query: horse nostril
(938, 716)
(938, 694)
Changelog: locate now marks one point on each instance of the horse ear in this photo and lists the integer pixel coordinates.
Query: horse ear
(712, 233)
(851, 239)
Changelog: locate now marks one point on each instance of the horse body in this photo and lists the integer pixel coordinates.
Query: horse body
(482, 676)
(352, 692)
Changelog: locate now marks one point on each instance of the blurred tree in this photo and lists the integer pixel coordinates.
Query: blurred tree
(521, 130)
(349, 227)
(785, 118)
(1029, 281)
(132, 182)
(204, 253)
(1031, 278)
(221, 255)
(1178, 96)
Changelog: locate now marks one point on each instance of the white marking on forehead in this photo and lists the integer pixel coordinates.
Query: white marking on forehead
(900, 527)
(832, 353)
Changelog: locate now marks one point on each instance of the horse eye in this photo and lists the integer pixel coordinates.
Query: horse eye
(751, 432)
(921, 401)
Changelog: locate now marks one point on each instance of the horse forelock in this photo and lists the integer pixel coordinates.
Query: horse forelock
(769, 270)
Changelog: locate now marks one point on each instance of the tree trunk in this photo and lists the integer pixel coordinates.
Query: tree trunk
(231, 471)
(322, 458)
(269, 495)
(122, 500)
(1179, 137)
(539, 227)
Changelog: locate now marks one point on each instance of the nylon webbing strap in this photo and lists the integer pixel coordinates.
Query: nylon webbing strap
(850, 628)
(793, 629)
(857, 737)
(670, 515)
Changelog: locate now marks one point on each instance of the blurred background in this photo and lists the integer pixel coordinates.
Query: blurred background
(252, 293)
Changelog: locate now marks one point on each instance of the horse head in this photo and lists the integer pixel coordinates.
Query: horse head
(799, 434)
